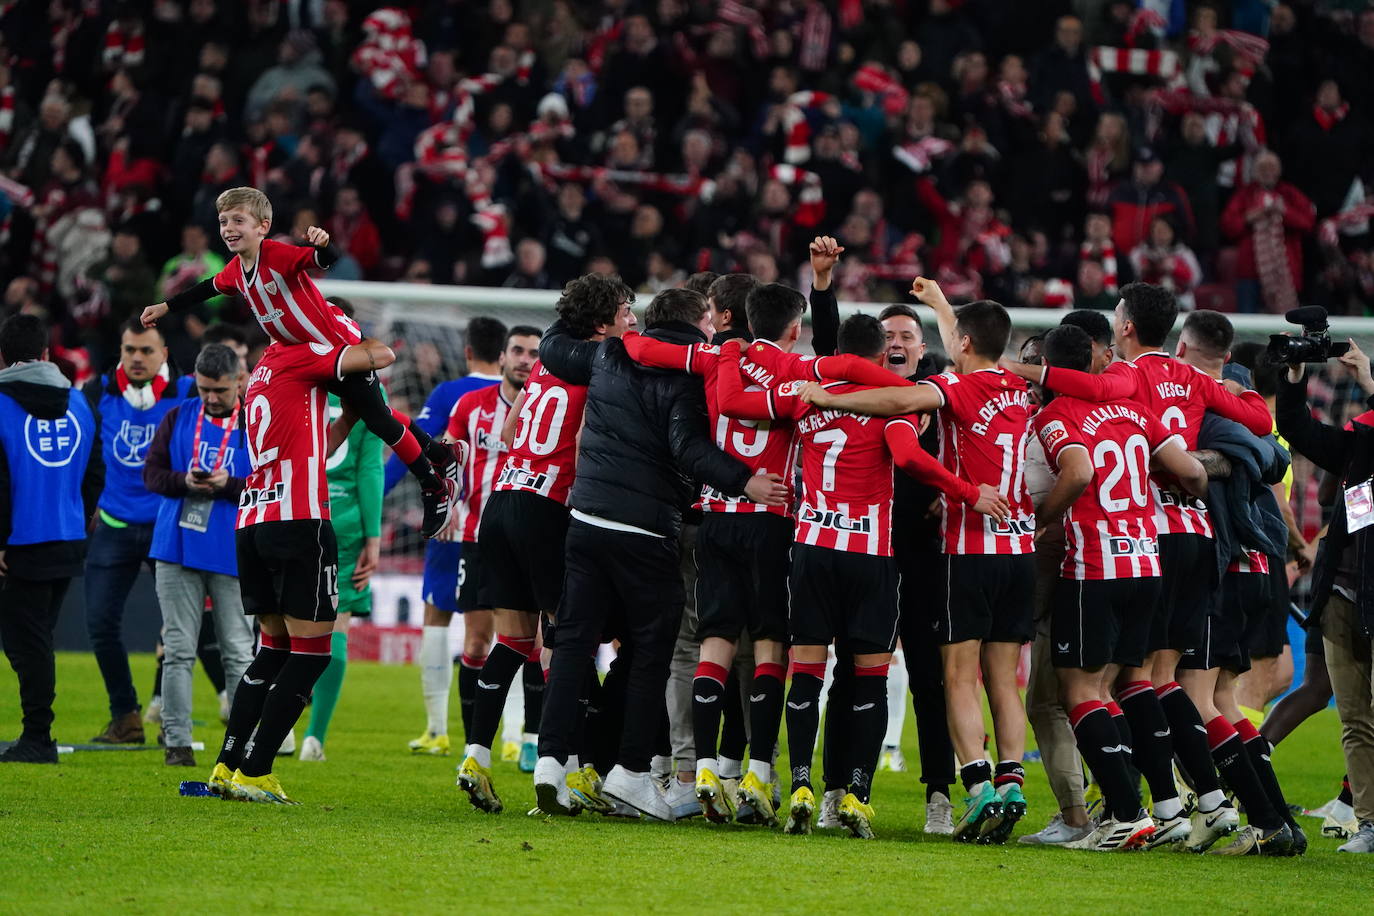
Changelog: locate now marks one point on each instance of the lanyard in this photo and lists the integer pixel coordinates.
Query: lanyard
(222, 452)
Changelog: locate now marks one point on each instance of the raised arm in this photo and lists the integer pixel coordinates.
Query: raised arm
(825, 308)
(1326, 446)
(928, 292)
(1109, 386)
(850, 368)
(566, 356)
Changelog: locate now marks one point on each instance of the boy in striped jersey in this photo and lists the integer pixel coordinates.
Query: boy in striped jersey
(272, 277)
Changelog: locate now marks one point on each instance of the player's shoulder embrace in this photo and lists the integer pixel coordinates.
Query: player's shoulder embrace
(791, 389)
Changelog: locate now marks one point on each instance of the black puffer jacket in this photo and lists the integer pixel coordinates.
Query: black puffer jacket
(645, 437)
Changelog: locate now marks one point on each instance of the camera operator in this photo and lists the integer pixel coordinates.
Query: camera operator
(1343, 576)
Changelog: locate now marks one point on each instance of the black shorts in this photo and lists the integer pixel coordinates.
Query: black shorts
(470, 576)
(1095, 622)
(988, 597)
(742, 562)
(289, 568)
(1188, 562)
(1225, 634)
(522, 537)
(1268, 633)
(838, 595)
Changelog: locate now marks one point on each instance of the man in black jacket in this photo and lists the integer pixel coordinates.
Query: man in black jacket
(1343, 576)
(51, 474)
(644, 441)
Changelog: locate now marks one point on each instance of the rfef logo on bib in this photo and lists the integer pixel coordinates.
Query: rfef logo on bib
(131, 443)
(52, 443)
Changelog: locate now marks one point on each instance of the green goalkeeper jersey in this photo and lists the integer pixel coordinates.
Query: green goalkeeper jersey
(355, 482)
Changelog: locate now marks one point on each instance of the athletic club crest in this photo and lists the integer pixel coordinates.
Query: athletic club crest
(271, 287)
(131, 444)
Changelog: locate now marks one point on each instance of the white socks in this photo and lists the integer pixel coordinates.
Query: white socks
(706, 763)
(481, 754)
(436, 677)
(896, 700)
(762, 769)
(512, 716)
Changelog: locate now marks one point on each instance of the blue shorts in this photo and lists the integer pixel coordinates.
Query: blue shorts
(441, 574)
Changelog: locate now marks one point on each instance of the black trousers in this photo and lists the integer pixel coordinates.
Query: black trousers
(919, 565)
(616, 585)
(28, 617)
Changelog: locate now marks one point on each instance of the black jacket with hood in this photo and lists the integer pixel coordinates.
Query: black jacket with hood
(645, 439)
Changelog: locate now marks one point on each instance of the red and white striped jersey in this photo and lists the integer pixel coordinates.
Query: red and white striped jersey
(1251, 561)
(984, 424)
(477, 419)
(1180, 396)
(543, 457)
(1110, 529)
(284, 299)
(288, 424)
(766, 446)
(846, 501)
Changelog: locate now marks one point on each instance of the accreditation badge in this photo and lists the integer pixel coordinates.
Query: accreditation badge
(195, 514)
(1359, 507)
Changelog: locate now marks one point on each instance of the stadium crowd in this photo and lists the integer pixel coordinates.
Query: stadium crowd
(1042, 152)
(539, 152)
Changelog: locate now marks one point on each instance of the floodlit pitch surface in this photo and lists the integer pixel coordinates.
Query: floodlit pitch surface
(381, 831)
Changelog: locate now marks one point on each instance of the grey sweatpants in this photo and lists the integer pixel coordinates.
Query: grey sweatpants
(181, 592)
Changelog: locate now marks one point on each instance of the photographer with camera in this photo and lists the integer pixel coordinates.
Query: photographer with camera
(1343, 576)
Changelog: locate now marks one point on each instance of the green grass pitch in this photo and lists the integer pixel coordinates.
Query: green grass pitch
(380, 831)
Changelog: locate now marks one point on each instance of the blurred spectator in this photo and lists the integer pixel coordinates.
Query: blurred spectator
(30, 153)
(352, 230)
(195, 262)
(1063, 68)
(529, 270)
(1136, 202)
(124, 280)
(1328, 148)
(297, 71)
(1193, 163)
(1090, 292)
(1165, 261)
(571, 237)
(1268, 217)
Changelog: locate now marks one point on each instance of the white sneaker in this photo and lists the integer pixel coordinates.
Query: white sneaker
(1112, 835)
(830, 809)
(1171, 830)
(638, 790)
(288, 744)
(1339, 822)
(1362, 841)
(1210, 826)
(1057, 833)
(551, 787)
(682, 799)
(153, 711)
(224, 706)
(892, 760)
(940, 816)
(311, 749)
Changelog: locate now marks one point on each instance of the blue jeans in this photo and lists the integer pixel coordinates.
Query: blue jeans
(113, 556)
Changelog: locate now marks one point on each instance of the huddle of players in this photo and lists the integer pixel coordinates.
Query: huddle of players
(820, 570)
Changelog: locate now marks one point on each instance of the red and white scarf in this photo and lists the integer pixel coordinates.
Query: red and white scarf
(1104, 252)
(1329, 119)
(122, 49)
(142, 397)
(1271, 263)
(797, 143)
